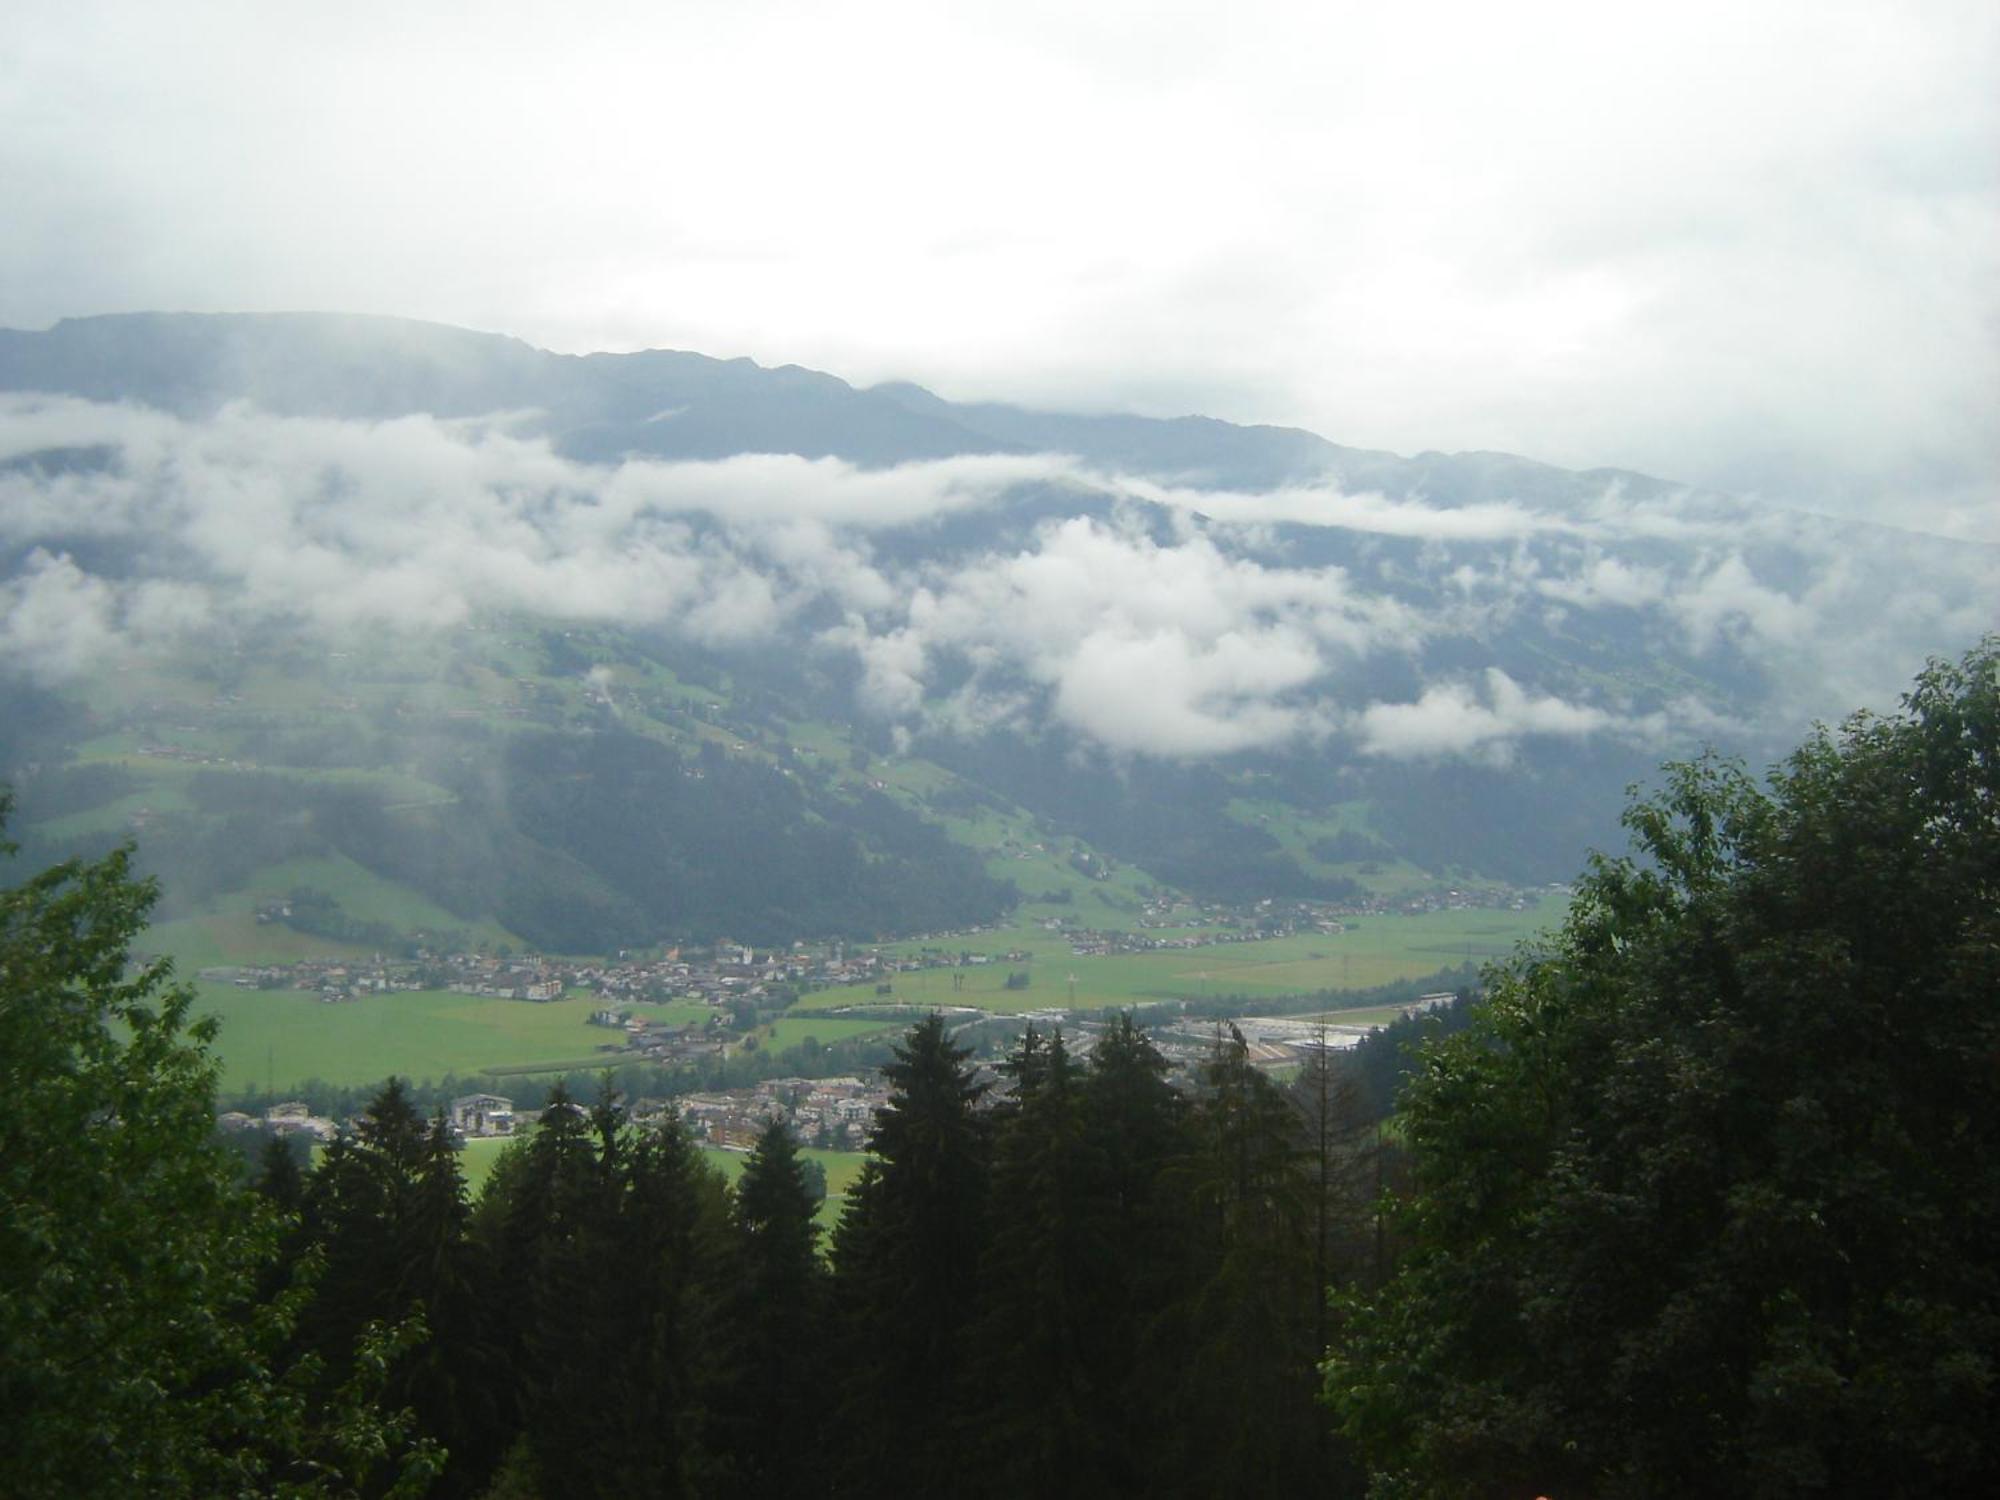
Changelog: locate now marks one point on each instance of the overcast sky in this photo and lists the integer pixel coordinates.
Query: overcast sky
(1748, 244)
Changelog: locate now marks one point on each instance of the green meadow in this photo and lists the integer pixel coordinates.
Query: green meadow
(477, 1160)
(478, 1157)
(283, 1037)
(794, 1028)
(1375, 950)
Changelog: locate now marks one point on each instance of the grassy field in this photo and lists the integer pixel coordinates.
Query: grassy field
(679, 1013)
(1005, 836)
(116, 816)
(286, 1036)
(795, 1028)
(477, 1160)
(1375, 950)
(1297, 833)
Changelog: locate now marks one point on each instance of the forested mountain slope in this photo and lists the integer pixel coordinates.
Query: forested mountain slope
(278, 587)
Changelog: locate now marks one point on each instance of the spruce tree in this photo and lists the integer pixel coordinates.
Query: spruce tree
(450, 1380)
(556, 1277)
(281, 1183)
(607, 1247)
(772, 1326)
(1038, 1362)
(359, 1206)
(386, 1210)
(1140, 1125)
(1245, 1332)
(279, 1179)
(669, 1245)
(905, 1257)
(1140, 1122)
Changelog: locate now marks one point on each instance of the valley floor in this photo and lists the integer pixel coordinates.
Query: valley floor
(275, 1039)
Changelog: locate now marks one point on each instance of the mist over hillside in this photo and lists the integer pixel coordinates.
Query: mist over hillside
(876, 644)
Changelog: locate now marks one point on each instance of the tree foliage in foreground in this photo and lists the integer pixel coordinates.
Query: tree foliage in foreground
(1708, 1201)
(141, 1341)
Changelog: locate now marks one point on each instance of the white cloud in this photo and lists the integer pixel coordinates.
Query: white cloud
(57, 620)
(893, 667)
(420, 522)
(1608, 581)
(1166, 694)
(779, 488)
(1458, 719)
(1174, 639)
(1162, 649)
(1328, 506)
(1729, 599)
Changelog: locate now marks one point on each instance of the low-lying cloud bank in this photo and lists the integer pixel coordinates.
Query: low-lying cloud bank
(1152, 620)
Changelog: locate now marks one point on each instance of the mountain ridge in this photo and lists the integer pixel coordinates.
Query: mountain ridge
(602, 406)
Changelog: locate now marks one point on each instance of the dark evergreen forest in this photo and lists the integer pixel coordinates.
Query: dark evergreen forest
(1094, 1281)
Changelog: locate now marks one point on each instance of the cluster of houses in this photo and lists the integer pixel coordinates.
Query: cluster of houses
(290, 1118)
(505, 978)
(835, 1113)
(730, 972)
(469, 1115)
(1499, 898)
(327, 979)
(659, 1042)
(724, 973)
(481, 1115)
(830, 1112)
(715, 977)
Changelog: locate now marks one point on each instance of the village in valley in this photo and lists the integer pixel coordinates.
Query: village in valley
(837, 1113)
(827, 1113)
(725, 972)
(681, 1006)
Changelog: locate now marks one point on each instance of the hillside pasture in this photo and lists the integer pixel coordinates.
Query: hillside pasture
(228, 933)
(234, 936)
